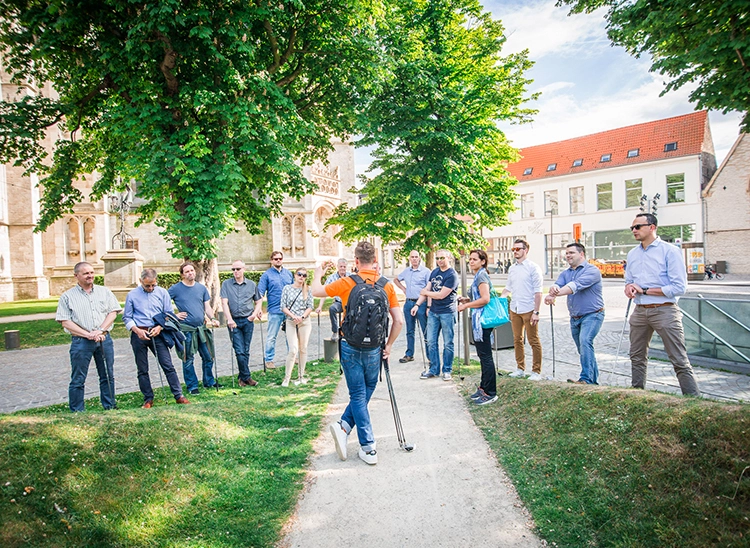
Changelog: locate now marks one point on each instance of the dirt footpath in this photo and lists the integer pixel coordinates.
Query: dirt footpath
(448, 492)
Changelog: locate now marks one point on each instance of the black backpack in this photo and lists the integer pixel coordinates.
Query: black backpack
(366, 318)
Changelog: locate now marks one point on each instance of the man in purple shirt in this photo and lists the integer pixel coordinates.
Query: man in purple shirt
(582, 283)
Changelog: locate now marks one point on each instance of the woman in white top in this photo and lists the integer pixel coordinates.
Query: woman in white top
(297, 305)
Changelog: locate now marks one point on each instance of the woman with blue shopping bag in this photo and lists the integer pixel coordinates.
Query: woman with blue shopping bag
(487, 312)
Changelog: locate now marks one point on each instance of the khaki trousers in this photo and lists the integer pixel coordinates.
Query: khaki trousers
(667, 322)
(521, 324)
(297, 337)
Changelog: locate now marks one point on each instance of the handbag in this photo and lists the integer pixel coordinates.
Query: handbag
(495, 312)
(283, 324)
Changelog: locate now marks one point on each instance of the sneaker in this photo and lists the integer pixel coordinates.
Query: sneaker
(406, 359)
(303, 380)
(485, 399)
(339, 439)
(285, 383)
(535, 377)
(447, 376)
(478, 394)
(517, 373)
(371, 457)
(427, 375)
(195, 392)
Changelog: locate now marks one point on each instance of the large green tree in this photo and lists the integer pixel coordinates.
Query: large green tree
(701, 42)
(211, 106)
(440, 159)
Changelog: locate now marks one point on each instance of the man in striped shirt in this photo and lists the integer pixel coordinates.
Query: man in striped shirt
(87, 312)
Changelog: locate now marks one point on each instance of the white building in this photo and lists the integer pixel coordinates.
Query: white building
(601, 181)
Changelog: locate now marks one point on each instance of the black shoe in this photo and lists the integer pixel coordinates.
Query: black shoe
(195, 392)
(217, 385)
(406, 359)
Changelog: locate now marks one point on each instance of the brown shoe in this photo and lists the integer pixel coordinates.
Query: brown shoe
(181, 399)
(248, 382)
(571, 381)
(148, 404)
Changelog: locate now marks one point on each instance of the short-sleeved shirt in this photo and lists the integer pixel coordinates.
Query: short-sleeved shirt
(294, 300)
(241, 297)
(438, 280)
(332, 278)
(271, 284)
(191, 299)
(415, 280)
(86, 310)
(343, 287)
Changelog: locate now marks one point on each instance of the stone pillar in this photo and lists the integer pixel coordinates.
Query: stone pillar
(122, 269)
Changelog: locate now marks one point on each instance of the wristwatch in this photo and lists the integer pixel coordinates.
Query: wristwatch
(645, 290)
(536, 312)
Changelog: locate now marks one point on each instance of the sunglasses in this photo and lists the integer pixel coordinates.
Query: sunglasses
(301, 274)
(149, 285)
(440, 258)
(278, 259)
(236, 269)
(518, 248)
(638, 227)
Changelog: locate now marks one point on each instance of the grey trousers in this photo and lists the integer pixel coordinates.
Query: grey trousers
(667, 322)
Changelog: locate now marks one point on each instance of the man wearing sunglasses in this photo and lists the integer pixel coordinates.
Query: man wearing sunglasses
(271, 285)
(654, 278)
(525, 285)
(242, 304)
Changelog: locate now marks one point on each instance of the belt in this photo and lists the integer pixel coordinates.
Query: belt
(657, 305)
(582, 315)
(145, 328)
(412, 300)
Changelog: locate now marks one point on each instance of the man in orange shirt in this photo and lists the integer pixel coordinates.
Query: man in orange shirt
(361, 365)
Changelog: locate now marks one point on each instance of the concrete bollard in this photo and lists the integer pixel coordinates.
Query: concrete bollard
(330, 350)
(12, 339)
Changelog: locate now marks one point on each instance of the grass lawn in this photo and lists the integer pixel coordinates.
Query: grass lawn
(18, 308)
(224, 471)
(615, 467)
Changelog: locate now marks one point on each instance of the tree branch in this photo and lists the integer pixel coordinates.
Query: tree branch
(168, 64)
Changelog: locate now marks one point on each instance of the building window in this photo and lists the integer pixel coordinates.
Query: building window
(528, 170)
(578, 162)
(633, 152)
(576, 199)
(606, 158)
(603, 196)
(552, 167)
(669, 147)
(527, 205)
(633, 192)
(676, 188)
(550, 202)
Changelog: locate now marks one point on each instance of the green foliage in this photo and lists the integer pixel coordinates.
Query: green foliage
(210, 108)
(702, 43)
(99, 279)
(608, 467)
(167, 279)
(223, 471)
(253, 275)
(433, 119)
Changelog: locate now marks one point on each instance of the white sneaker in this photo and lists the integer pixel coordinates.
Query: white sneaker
(339, 439)
(517, 373)
(447, 376)
(371, 457)
(303, 380)
(285, 383)
(535, 377)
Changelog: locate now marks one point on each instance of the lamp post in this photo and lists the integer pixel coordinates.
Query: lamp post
(650, 207)
(551, 211)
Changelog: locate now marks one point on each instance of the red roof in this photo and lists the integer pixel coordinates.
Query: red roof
(688, 131)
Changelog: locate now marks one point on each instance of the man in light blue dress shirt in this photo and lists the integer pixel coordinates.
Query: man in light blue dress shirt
(411, 281)
(582, 283)
(654, 278)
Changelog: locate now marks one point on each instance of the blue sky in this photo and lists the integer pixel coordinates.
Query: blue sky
(587, 85)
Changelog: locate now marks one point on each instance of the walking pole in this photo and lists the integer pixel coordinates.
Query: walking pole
(231, 354)
(106, 372)
(262, 346)
(552, 323)
(396, 416)
(622, 333)
(458, 322)
(216, 366)
(158, 364)
(422, 342)
(319, 360)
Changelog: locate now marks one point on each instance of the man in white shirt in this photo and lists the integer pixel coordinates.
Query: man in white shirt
(525, 286)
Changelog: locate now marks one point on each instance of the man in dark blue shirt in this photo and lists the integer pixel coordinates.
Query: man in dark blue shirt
(582, 283)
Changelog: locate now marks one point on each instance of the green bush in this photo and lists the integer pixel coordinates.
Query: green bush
(99, 279)
(167, 279)
(253, 275)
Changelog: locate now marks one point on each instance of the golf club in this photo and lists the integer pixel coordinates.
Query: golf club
(619, 344)
(552, 324)
(408, 447)
(158, 364)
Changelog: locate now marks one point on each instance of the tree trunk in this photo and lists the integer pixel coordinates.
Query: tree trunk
(207, 273)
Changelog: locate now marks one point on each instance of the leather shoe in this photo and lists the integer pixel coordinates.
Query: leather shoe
(148, 404)
(182, 399)
(406, 359)
(248, 382)
(576, 382)
(215, 386)
(195, 392)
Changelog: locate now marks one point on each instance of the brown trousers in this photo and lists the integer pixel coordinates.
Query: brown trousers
(521, 324)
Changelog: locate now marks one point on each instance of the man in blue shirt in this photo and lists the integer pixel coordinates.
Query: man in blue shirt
(271, 285)
(582, 283)
(141, 305)
(193, 305)
(654, 278)
(411, 281)
(441, 292)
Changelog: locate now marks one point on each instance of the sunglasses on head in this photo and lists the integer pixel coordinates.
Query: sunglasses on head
(640, 226)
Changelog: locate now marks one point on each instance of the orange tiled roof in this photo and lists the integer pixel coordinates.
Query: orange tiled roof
(688, 131)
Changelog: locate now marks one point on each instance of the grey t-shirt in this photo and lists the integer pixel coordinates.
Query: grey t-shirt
(241, 297)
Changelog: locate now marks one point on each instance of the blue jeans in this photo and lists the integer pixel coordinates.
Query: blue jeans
(437, 323)
(241, 337)
(361, 367)
(274, 324)
(411, 322)
(158, 348)
(584, 330)
(81, 351)
(188, 370)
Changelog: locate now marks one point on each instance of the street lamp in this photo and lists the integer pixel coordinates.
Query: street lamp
(650, 207)
(552, 207)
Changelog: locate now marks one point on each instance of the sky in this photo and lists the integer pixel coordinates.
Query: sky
(586, 84)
